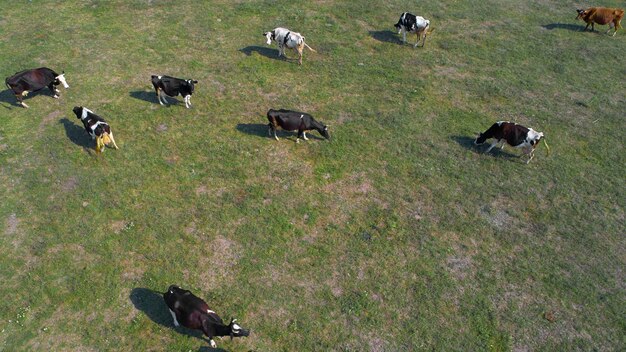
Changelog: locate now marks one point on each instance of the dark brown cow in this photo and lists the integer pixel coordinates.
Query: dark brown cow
(514, 135)
(33, 80)
(601, 15)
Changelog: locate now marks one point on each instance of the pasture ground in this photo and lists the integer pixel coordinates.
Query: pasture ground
(399, 235)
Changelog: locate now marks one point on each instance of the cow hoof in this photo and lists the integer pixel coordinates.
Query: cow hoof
(56, 97)
(24, 105)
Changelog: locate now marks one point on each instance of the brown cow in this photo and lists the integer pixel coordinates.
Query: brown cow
(601, 15)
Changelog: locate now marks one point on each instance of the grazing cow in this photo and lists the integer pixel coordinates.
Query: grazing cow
(286, 38)
(193, 313)
(513, 134)
(33, 80)
(97, 128)
(601, 15)
(413, 24)
(294, 121)
(173, 86)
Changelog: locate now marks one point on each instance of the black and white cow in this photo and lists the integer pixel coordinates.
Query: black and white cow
(413, 24)
(294, 121)
(514, 135)
(97, 128)
(33, 80)
(286, 38)
(192, 312)
(173, 86)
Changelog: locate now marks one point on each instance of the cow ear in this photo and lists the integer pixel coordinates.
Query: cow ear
(195, 82)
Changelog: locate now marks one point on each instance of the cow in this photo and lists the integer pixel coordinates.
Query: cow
(192, 312)
(173, 87)
(601, 15)
(96, 127)
(23, 82)
(513, 134)
(413, 24)
(286, 38)
(294, 121)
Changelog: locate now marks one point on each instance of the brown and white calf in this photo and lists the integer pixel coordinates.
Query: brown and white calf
(192, 312)
(601, 15)
(286, 38)
(514, 135)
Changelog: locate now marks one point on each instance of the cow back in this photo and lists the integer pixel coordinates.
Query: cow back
(33, 79)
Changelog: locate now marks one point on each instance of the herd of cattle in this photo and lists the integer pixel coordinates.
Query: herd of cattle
(187, 309)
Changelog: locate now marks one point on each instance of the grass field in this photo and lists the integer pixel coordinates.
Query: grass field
(397, 235)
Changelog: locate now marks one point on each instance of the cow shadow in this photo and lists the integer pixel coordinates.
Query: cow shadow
(568, 26)
(386, 36)
(7, 96)
(271, 53)
(76, 133)
(149, 96)
(151, 303)
(468, 143)
(255, 129)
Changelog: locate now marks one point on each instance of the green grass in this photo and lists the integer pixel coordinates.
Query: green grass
(398, 235)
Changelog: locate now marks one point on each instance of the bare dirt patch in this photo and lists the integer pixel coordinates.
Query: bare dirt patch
(70, 184)
(221, 255)
(48, 119)
(118, 226)
(11, 225)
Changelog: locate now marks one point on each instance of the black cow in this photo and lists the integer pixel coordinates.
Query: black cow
(294, 121)
(193, 313)
(33, 80)
(97, 128)
(173, 87)
(513, 134)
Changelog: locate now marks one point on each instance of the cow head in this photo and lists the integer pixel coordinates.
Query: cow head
(60, 79)
(581, 13)
(191, 83)
(236, 330)
(480, 139)
(324, 132)
(269, 36)
(398, 27)
(81, 112)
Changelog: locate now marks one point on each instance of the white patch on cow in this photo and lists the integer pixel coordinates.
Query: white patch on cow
(84, 114)
(210, 311)
(500, 123)
(159, 77)
(61, 79)
(94, 126)
(213, 344)
(174, 317)
(236, 327)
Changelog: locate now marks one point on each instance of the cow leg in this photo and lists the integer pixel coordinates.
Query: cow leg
(53, 90)
(213, 344)
(174, 317)
(417, 41)
(403, 35)
(188, 101)
(587, 26)
(304, 136)
(300, 49)
(492, 145)
(271, 128)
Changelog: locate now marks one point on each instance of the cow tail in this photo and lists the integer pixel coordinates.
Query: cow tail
(307, 45)
(546, 143)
